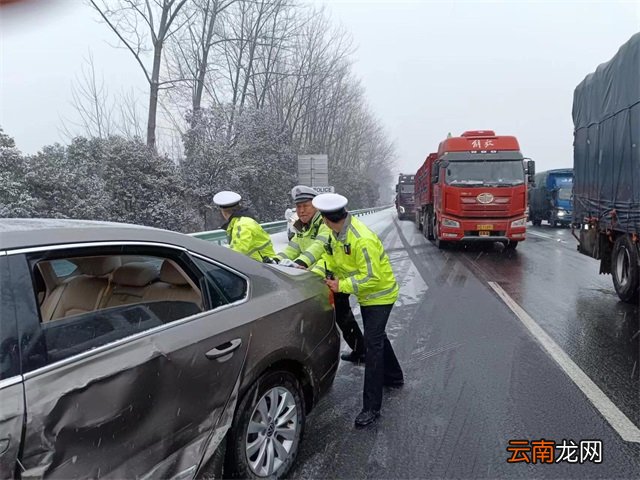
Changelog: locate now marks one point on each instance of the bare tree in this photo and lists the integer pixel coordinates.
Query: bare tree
(192, 54)
(144, 26)
(130, 123)
(91, 102)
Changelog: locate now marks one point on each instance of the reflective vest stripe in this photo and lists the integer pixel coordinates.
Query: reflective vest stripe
(310, 256)
(369, 268)
(383, 292)
(254, 250)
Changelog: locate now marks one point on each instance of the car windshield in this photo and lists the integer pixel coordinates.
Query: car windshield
(406, 188)
(485, 173)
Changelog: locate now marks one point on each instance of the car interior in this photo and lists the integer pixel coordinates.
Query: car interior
(88, 284)
(86, 302)
(107, 281)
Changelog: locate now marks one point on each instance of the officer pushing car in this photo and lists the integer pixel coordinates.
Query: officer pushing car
(311, 234)
(245, 235)
(360, 266)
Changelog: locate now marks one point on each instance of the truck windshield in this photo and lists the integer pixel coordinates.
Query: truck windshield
(488, 173)
(564, 193)
(406, 188)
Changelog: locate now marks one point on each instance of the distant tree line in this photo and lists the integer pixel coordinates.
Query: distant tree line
(237, 89)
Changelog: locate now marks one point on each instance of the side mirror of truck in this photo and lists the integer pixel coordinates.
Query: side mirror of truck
(435, 173)
(530, 168)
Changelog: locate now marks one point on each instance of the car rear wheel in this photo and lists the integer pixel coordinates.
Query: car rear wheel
(624, 269)
(267, 428)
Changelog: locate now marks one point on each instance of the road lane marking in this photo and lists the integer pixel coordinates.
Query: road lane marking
(618, 420)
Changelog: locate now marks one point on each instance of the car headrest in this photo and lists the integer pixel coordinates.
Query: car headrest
(170, 274)
(97, 266)
(135, 274)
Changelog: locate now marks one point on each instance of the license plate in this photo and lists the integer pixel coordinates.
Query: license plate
(484, 233)
(485, 227)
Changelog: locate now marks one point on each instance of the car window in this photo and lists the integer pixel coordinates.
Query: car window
(110, 297)
(223, 282)
(63, 268)
(79, 333)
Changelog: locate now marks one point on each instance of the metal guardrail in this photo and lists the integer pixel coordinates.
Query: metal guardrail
(220, 236)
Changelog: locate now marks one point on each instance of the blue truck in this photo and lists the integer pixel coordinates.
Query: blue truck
(551, 198)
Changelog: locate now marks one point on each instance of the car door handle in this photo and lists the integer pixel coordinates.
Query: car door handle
(224, 349)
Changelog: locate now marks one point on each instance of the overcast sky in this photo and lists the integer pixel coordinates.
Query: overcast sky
(429, 68)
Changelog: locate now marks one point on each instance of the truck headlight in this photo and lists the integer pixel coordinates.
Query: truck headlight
(519, 223)
(450, 223)
(561, 213)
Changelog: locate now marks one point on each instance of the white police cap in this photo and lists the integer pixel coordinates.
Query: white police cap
(226, 199)
(330, 202)
(302, 193)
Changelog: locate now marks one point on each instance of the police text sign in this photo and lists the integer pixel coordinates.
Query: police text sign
(324, 189)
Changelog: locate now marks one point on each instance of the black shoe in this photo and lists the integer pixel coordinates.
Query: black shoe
(366, 417)
(352, 357)
(394, 384)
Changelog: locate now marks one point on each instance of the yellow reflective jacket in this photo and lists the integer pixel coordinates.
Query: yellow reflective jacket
(307, 246)
(357, 259)
(246, 236)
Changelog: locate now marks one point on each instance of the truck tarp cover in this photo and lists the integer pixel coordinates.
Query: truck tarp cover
(606, 155)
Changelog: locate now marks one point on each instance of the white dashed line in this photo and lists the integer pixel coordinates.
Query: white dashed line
(627, 430)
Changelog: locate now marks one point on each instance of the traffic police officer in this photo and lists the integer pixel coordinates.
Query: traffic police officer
(311, 234)
(361, 267)
(245, 235)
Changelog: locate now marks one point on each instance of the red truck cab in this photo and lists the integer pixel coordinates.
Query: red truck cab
(474, 189)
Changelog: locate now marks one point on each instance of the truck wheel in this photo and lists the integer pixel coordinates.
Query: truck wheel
(441, 244)
(536, 222)
(428, 222)
(267, 428)
(624, 269)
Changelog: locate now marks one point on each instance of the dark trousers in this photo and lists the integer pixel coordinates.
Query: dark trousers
(347, 323)
(381, 364)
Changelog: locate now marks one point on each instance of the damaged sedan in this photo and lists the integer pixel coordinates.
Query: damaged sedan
(132, 352)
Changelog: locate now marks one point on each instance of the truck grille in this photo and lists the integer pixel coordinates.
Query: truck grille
(498, 208)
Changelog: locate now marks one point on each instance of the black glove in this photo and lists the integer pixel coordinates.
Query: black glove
(301, 263)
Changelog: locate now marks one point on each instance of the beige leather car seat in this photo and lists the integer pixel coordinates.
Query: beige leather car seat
(80, 293)
(173, 285)
(128, 284)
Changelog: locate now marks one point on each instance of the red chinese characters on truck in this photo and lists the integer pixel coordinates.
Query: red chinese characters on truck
(474, 189)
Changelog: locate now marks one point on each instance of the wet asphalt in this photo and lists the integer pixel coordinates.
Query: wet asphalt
(476, 378)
